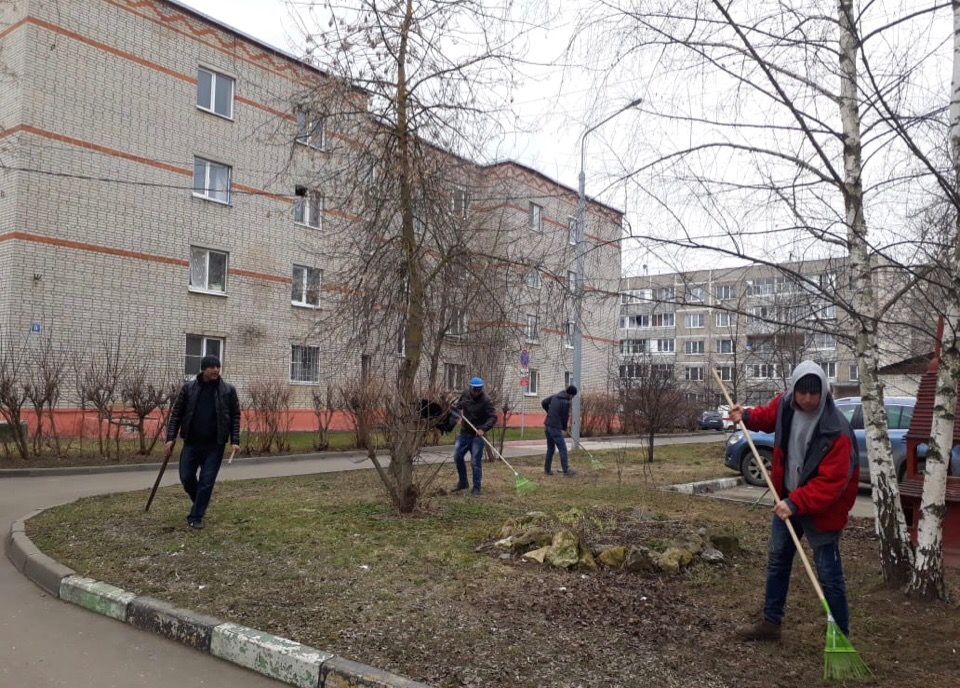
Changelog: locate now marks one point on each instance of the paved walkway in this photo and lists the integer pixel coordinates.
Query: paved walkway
(45, 643)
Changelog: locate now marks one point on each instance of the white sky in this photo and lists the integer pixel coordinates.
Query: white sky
(561, 111)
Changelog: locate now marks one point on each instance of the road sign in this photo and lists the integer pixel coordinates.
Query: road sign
(524, 381)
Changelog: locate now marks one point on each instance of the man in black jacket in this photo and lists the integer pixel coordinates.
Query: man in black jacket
(557, 407)
(479, 415)
(206, 414)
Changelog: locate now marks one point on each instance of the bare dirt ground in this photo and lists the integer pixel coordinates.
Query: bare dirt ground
(323, 560)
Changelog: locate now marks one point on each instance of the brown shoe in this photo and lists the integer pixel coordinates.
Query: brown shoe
(763, 629)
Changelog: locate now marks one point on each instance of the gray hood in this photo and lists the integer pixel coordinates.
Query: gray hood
(803, 425)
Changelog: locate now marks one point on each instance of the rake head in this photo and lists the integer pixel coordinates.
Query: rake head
(841, 662)
(524, 486)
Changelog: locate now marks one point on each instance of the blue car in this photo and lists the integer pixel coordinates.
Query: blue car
(737, 455)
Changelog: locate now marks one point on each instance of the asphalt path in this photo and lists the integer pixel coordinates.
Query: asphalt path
(46, 643)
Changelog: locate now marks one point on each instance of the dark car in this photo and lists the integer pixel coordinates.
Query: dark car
(710, 420)
(738, 456)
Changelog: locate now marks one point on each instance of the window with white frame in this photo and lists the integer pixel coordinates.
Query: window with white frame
(693, 373)
(567, 378)
(724, 319)
(695, 320)
(663, 320)
(215, 92)
(725, 291)
(635, 296)
(631, 371)
(308, 207)
(822, 341)
(455, 375)
(726, 373)
(664, 294)
(532, 279)
(662, 370)
(208, 270)
(568, 334)
(725, 346)
(535, 217)
(532, 330)
(695, 294)
(830, 368)
(211, 180)
(305, 286)
(459, 202)
(304, 363)
(310, 128)
(633, 347)
(572, 230)
(854, 373)
(693, 347)
(533, 383)
(458, 323)
(634, 322)
(663, 346)
(198, 346)
(766, 371)
(763, 286)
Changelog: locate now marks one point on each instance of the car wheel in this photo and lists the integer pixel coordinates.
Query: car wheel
(749, 469)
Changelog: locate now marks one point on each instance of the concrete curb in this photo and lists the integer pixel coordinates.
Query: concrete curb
(705, 486)
(279, 658)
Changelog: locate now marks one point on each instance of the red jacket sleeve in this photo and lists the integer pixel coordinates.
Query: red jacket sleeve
(825, 489)
(763, 418)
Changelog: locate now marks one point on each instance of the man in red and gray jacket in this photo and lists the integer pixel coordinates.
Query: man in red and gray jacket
(815, 471)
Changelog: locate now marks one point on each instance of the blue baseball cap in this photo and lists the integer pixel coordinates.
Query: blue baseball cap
(476, 382)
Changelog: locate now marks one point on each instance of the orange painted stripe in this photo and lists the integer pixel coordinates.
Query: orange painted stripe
(13, 27)
(260, 276)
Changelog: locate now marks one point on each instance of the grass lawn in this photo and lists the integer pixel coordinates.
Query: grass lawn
(323, 560)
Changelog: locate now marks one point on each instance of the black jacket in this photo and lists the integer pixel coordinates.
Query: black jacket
(557, 407)
(479, 411)
(227, 410)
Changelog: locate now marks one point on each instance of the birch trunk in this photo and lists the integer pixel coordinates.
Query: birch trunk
(896, 557)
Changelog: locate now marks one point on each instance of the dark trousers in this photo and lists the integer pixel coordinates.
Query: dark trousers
(206, 459)
(556, 442)
(474, 445)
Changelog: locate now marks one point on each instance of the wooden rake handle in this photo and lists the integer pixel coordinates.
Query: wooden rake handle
(776, 496)
(487, 442)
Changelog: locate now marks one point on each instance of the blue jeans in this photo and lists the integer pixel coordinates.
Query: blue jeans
(826, 558)
(474, 445)
(206, 458)
(555, 441)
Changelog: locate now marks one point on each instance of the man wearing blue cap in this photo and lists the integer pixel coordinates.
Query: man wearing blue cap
(478, 416)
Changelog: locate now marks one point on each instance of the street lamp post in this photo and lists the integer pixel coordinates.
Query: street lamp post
(578, 287)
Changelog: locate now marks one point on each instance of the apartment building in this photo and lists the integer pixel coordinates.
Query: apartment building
(752, 324)
(163, 195)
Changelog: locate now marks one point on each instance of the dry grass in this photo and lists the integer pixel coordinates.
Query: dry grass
(323, 560)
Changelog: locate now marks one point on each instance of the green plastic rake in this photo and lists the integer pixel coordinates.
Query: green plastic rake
(523, 486)
(840, 661)
(595, 463)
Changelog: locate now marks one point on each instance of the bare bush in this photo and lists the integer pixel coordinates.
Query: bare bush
(13, 396)
(363, 403)
(324, 407)
(269, 416)
(144, 397)
(598, 412)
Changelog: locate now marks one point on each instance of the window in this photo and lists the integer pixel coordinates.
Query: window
(724, 319)
(634, 322)
(459, 202)
(766, 371)
(305, 286)
(662, 370)
(572, 230)
(533, 383)
(695, 294)
(308, 207)
(455, 376)
(567, 378)
(830, 368)
(304, 363)
(633, 347)
(725, 291)
(632, 371)
(535, 219)
(401, 342)
(761, 287)
(694, 346)
(664, 346)
(211, 180)
(215, 93)
(854, 373)
(570, 328)
(208, 270)
(822, 341)
(310, 128)
(726, 373)
(664, 294)
(572, 281)
(532, 331)
(663, 320)
(725, 346)
(197, 347)
(532, 279)
(635, 296)
(694, 320)
(693, 373)
(458, 323)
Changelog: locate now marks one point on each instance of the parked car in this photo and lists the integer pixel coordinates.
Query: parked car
(738, 457)
(710, 420)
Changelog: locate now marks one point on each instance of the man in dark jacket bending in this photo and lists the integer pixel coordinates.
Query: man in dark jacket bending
(479, 416)
(557, 407)
(206, 414)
